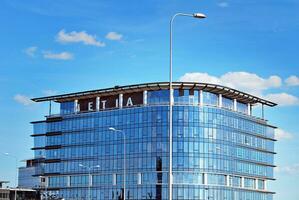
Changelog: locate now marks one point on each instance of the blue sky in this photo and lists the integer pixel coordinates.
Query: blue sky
(54, 47)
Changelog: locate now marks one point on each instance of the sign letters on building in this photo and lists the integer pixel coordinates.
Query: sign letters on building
(107, 102)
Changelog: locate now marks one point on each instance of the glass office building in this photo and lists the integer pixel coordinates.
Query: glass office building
(220, 150)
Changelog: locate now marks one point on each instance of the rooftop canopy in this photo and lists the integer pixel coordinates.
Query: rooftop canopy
(217, 89)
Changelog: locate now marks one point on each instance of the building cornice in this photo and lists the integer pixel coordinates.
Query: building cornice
(217, 89)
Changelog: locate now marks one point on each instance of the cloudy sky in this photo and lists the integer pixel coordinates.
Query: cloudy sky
(54, 47)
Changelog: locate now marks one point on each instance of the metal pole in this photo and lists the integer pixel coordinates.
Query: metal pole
(124, 141)
(124, 162)
(170, 115)
(170, 109)
(170, 178)
(89, 178)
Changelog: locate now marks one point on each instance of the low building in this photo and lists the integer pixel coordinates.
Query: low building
(22, 194)
(4, 194)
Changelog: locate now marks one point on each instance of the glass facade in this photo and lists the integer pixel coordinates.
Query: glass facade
(27, 174)
(26, 178)
(218, 153)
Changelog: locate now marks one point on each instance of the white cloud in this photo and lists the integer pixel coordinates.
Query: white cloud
(30, 51)
(283, 99)
(223, 4)
(58, 56)
(22, 99)
(76, 37)
(114, 36)
(282, 134)
(247, 82)
(243, 81)
(200, 77)
(292, 169)
(292, 81)
(49, 92)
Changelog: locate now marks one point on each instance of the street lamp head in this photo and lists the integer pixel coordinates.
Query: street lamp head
(199, 15)
(80, 165)
(112, 129)
(98, 166)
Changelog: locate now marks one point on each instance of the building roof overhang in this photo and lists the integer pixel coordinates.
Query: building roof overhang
(217, 89)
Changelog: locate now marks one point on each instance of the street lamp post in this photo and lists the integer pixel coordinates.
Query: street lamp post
(89, 175)
(124, 144)
(195, 15)
(16, 172)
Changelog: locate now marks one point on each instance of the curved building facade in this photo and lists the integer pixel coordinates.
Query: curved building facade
(220, 150)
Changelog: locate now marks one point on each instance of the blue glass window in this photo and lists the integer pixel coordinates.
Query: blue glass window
(227, 103)
(57, 181)
(210, 98)
(67, 107)
(261, 184)
(216, 179)
(39, 128)
(79, 180)
(235, 181)
(249, 183)
(241, 107)
(158, 97)
(39, 141)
